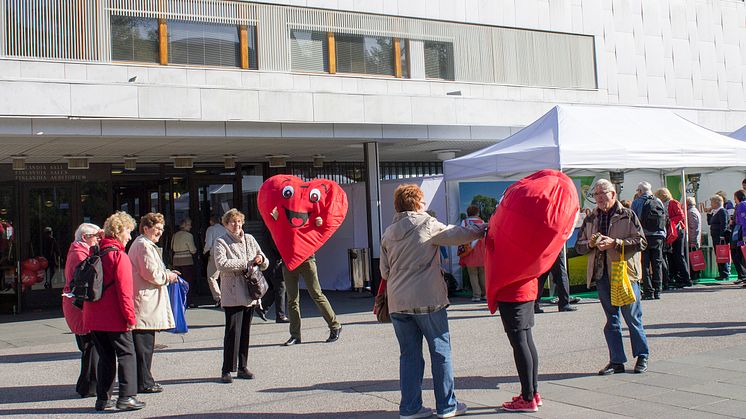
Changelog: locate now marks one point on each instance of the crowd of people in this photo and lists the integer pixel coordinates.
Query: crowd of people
(116, 334)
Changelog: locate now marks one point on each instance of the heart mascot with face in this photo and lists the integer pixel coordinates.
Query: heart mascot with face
(301, 216)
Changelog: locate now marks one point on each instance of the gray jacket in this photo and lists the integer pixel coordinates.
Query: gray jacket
(410, 259)
(232, 257)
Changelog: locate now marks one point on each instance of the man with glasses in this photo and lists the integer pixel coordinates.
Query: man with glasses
(606, 232)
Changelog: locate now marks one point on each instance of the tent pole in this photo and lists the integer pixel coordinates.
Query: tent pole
(686, 218)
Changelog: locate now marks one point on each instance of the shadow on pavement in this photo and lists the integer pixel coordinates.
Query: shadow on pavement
(49, 411)
(462, 383)
(705, 329)
(278, 415)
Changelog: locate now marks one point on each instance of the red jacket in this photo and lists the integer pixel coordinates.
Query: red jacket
(675, 212)
(518, 292)
(115, 310)
(74, 316)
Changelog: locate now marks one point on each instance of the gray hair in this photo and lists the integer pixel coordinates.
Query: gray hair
(605, 185)
(86, 228)
(645, 187)
(691, 202)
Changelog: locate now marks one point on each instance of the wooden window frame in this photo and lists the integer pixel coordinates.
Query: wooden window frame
(332, 48)
(163, 41)
(397, 58)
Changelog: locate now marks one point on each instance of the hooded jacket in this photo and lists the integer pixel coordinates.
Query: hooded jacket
(150, 284)
(410, 260)
(115, 311)
(77, 253)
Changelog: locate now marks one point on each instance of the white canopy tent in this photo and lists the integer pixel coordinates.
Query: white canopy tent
(602, 137)
(739, 134)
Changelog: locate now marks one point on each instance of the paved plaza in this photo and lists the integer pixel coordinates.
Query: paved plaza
(697, 365)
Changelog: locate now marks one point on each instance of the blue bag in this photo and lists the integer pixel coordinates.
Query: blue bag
(177, 293)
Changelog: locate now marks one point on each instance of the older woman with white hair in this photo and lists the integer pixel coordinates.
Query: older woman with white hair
(86, 236)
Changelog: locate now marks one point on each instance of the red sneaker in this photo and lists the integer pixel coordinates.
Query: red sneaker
(537, 398)
(521, 405)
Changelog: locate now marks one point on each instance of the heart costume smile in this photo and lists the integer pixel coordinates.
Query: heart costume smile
(296, 219)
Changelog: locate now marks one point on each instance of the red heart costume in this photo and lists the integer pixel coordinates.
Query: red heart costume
(534, 219)
(301, 216)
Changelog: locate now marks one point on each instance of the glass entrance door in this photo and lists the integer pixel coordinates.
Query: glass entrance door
(48, 231)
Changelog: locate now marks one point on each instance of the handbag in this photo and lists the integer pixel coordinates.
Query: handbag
(177, 294)
(381, 304)
(622, 293)
(697, 260)
(255, 282)
(722, 253)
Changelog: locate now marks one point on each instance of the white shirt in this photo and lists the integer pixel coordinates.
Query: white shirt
(213, 232)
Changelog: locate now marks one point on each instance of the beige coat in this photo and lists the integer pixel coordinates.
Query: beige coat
(150, 280)
(232, 257)
(625, 227)
(182, 244)
(410, 259)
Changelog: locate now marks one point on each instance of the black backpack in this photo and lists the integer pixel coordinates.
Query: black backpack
(88, 279)
(653, 215)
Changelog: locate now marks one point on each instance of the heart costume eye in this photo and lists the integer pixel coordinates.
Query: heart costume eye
(288, 191)
(314, 195)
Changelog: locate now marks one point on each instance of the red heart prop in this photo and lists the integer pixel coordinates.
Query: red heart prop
(291, 208)
(526, 233)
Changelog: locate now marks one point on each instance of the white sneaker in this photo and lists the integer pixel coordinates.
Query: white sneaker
(425, 412)
(460, 410)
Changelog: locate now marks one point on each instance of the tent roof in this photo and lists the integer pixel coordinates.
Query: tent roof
(739, 134)
(602, 137)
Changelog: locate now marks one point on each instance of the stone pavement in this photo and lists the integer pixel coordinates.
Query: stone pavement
(697, 365)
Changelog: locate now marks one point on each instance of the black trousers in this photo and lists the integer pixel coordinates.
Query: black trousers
(561, 281)
(277, 293)
(144, 345)
(678, 266)
(88, 363)
(517, 321)
(738, 261)
(236, 340)
(113, 347)
(652, 266)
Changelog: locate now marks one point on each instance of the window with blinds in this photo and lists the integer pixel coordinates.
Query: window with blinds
(134, 39)
(309, 51)
(439, 60)
(210, 44)
(365, 54)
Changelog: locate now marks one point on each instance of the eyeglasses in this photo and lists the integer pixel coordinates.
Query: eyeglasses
(601, 193)
(91, 236)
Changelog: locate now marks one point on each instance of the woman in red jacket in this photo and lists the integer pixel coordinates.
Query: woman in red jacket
(86, 236)
(112, 318)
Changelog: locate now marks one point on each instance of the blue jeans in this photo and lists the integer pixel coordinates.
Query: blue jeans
(410, 329)
(632, 314)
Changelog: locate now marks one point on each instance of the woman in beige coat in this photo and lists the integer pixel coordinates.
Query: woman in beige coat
(234, 253)
(152, 305)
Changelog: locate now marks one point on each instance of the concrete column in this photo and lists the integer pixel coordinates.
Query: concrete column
(373, 207)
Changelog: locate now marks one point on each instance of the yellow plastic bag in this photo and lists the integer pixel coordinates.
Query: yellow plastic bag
(622, 292)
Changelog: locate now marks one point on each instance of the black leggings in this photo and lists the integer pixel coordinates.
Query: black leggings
(526, 361)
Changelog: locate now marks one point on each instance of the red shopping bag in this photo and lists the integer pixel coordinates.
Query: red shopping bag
(697, 260)
(743, 251)
(722, 253)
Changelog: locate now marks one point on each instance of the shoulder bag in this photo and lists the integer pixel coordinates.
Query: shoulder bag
(381, 304)
(255, 281)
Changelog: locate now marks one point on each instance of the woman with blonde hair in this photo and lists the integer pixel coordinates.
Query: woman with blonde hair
(152, 305)
(678, 266)
(418, 298)
(86, 236)
(235, 253)
(112, 318)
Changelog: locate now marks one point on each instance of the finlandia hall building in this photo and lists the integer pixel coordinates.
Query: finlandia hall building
(185, 106)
